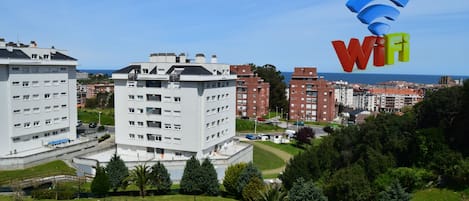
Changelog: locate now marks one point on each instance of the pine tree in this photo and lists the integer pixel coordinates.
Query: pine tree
(117, 172)
(100, 184)
(160, 178)
(190, 181)
(210, 183)
(394, 192)
(245, 177)
(302, 190)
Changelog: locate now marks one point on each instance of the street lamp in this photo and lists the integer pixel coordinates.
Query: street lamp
(99, 118)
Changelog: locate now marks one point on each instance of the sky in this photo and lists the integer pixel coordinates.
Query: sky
(110, 34)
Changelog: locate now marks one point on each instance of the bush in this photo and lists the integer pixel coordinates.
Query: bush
(252, 189)
(302, 190)
(231, 177)
(409, 178)
(246, 176)
(104, 137)
(160, 178)
(100, 184)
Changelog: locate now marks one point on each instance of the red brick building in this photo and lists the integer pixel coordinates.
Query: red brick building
(311, 97)
(252, 93)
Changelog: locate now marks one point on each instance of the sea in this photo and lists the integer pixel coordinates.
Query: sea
(361, 78)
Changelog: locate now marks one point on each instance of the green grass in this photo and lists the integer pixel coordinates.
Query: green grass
(435, 194)
(270, 176)
(289, 148)
(92, 115)
(147, 198)
(44, 170)
(265, 160)
(244, 125)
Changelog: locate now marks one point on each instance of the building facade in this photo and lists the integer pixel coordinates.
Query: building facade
(311, 97)
(172, 109)
(394, 99)
(364, 100)
(252, 93)
(343, 93)
(38, 101)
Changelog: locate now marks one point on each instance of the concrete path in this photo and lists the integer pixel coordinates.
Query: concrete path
(283, 155)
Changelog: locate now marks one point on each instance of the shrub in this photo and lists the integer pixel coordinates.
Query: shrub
(231, 178)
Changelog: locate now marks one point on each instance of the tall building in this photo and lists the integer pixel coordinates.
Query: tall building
(252, 93)
(343, 93)
(364, 100)
(38, 101)
(311, 97)
(171, 109)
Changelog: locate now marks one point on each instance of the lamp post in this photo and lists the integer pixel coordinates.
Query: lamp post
(99, 118)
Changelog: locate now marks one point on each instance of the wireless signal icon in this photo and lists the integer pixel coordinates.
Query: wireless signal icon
(371, 13)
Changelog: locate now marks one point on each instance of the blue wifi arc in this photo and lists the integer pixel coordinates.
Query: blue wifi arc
(369, 14)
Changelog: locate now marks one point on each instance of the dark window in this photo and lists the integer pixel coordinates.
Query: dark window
(153, 110)
(153, 97)
(153, 83)
(154, 124)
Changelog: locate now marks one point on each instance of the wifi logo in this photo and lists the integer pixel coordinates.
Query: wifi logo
(382, 45)
(368, 15)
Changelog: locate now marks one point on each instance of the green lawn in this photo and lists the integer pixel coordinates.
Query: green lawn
(435, 194)
(244, 125)
(289, 148)
(48, 169)
(265, 160)
(148, 198)
(92, 115)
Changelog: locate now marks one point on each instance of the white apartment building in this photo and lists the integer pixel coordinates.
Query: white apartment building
(364, 100)
(38, 102)
(171, 108)
(343, 93)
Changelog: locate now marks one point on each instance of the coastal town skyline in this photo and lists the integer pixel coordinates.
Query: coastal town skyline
(285, 34)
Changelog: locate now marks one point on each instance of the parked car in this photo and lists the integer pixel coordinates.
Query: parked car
(92, 125)
(299, 123)
(260, 119)
(251, 137)
(244, 117)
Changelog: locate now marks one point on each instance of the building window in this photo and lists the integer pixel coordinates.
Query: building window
(153, 83)
(15, 83)
(153, 97)
(177, 126)
(25, 97)
(154, 137)
(64, 118)
(56, 107)
(55, 95)
(17, 125)
(63, 93)
(131, 110)
(56, 120)
(55, 82)
(177, 113)
(152, 110)
(46, 134)
(34, 56)
(131, 97)
(167, 99)
(16, 111)
(140, 110)
(36, 110)
(140, 123)
(27, 110)
(35, 96)
(131, 135)
(168, 126)
(47, 96)
(47, 108)
(177, 99)
(25, 84)
(36, 123)
(64, 106)
(35, 83)
(16, 97)
(47, 83)
(27, 125)
(139, 97)
(154, 124)
(140, 137)
(35, 137)
(48, 121)
(63, 81)
(132, 123)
